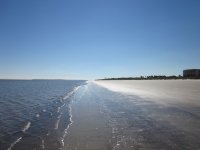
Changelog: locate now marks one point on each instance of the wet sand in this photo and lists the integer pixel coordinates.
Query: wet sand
(89, 129)
(107, 119)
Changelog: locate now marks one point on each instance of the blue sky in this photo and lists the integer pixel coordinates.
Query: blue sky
(88, 39)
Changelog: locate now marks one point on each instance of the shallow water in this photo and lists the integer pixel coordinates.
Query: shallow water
(34, 114)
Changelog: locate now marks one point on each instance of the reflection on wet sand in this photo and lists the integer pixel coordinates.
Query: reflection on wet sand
(103, 119)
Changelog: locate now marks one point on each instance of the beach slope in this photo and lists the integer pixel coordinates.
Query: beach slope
(128, 115)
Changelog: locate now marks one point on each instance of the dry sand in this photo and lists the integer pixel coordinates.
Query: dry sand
(161, 91)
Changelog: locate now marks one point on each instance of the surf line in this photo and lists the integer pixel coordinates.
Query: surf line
(59, 108)
(66, 130)
(15, 142)
(70, 115)
(71, 93)
(26, 127)
(23, 130)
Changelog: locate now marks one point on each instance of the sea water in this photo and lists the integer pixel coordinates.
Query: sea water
(35, 114)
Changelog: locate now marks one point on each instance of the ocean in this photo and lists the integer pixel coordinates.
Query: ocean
(35, 114)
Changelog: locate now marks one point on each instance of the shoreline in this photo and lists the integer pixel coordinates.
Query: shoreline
(89, 128)
(109, 119)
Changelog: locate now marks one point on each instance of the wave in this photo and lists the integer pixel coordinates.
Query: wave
(57, 122)
(70, 116)
(37, 115)
(15, 142)
(26, 127)
(59, 108)
(66, 130)
(39, 106)
(71, 93)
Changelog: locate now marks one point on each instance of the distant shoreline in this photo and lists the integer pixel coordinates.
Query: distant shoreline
(153, 78)
(43, 79)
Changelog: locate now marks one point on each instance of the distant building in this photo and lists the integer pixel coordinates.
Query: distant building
(191, 73)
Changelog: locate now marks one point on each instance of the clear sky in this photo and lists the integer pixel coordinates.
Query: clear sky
(88, 39)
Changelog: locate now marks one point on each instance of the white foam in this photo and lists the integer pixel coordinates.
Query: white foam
(62, 106)
(71, 93)
(68, 95)
(57, 122)
(15, 142)
(70, 114)
(26, 127)
(42, 144)
(66, 130)
(58, 109)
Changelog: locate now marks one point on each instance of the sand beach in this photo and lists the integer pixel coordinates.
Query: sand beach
(129, 115)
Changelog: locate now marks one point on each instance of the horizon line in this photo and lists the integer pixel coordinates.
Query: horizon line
(38, 79)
